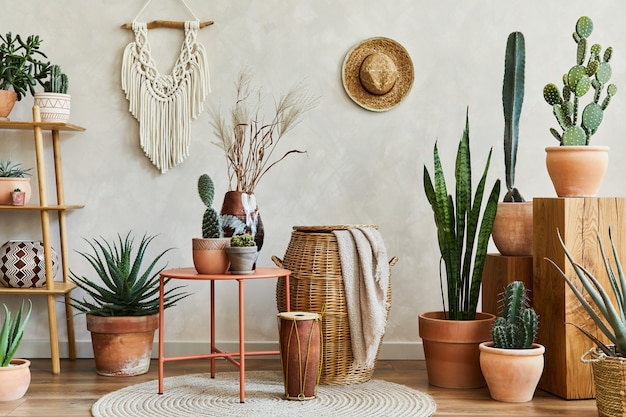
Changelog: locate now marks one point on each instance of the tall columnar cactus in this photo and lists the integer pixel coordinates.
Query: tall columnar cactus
(57, 82)
(211, 221)
(512, 100)
(581, 78)
(517, 327)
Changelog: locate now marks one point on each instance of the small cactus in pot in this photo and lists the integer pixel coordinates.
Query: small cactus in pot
(211, 221)
(518, 325)
(57, 81)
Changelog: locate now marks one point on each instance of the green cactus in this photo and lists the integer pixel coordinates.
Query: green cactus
(57, 82)
(211, 221)
(578, 81)
(517, 327)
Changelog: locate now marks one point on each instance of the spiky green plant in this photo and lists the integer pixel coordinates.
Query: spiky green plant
(125, 289)
(211, 221)
(12, 332)
(462, 242)
(10, 169)
(609, 318)
(518, 325)
(512, 100)
(579, 80)
(57, 81)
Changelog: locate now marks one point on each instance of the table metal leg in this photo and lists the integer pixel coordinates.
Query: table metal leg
(213, 347)
(161, 330)
(242, 353)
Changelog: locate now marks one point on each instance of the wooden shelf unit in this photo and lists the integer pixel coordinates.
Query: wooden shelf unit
(52, 288)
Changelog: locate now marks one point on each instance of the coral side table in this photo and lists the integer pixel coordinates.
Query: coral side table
(191, 274)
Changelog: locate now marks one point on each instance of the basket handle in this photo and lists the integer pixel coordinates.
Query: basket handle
(279, 262)
(585, 358)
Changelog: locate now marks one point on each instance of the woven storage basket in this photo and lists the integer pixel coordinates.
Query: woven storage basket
(316, 285)
(609, 374)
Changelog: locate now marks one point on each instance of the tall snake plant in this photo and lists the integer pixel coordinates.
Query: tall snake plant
(457, 222)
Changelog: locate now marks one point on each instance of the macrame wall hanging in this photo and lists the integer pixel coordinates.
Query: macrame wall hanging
(165, 104)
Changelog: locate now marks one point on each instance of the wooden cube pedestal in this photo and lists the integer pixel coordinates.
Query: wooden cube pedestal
(578, 220)
(499, 271)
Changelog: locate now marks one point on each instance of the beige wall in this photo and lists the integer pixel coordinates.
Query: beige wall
(361, 167)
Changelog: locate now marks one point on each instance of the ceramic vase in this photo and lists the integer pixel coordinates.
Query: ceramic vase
(7, 101)
(512, 231)
(22, 264)
(53, 107)
(577, 171)
(209, 255)
(14, 380)
(242, 259)
(240, 215)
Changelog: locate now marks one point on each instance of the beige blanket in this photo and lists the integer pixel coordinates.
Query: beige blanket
(365, 271)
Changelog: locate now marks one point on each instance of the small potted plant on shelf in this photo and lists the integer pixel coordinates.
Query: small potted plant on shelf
(209, 251)
(513, 363)
(54, 102)
(463, 238)
(21, 68)
(605, 303)
(122, 305)
(14, 373)
(242, 254)
(575, 167)
(17, 197)
(12, 176)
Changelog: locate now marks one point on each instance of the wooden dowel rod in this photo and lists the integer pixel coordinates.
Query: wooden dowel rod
(167, 24)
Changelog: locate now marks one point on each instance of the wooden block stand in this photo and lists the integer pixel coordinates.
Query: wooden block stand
(499, 271)
(578, 220)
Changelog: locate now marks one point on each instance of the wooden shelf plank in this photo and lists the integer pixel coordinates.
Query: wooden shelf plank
(58, 288)
(43, 125)
(44, 208)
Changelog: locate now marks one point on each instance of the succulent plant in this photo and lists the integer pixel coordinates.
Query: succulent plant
(57, 82)
(211, 221)
(12, 331)
(518, 325)
(512, 100)
(21, 64)
(10, 169)
(580, 79)
(239, 241)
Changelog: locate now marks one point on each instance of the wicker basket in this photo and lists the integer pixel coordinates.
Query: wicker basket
(316, 285)
(609, 374)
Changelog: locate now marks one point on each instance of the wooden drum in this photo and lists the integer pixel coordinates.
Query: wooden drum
(300, 336)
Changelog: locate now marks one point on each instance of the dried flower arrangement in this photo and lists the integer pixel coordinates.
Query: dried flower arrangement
(248, 142)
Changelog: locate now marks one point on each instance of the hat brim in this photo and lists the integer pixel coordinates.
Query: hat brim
(352, 66)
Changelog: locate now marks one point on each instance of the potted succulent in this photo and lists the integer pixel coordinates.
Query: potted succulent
(451, 337)
(607, 308)
(209, 254)
(54, 102)
(513, 226)
(21, 68)
(242, 254)
(12, 176)
(122, 304)
(575, 167)
(14, 373)
(513, 363)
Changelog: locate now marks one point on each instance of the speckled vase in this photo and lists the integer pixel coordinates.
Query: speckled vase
(22, 264)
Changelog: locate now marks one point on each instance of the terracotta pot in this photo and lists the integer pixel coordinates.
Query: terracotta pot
(242, 259)
(14, 380)
(451, 349)
(577, 171)
(7, 101)
(7, 185)
(240, 214)
(53, 107)
(122, 346)
(512, 375)
(512, 231)
(209, 255)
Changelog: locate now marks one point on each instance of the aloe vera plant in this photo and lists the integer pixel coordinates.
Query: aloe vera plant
(609, 318)
(462, 240)
(12, 332)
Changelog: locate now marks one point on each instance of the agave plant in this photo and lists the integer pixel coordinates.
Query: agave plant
(458, 230)
(12, 332)
(125, 289)
(9, 169)
(609, 318)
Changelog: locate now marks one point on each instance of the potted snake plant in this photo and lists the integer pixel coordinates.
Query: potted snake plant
(576, 168)
(451, 337)
(513, 363)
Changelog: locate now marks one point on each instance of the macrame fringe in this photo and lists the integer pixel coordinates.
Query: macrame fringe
(164, 105)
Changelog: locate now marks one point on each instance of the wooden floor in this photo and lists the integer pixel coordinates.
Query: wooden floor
(78, 386)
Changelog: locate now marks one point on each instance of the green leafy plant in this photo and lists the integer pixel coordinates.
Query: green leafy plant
(12, 332)
(21, 67)
(517, 327)
(245, 240)
(462, 241)
(594, 74)
(211, 220)
(10, 169)
(125, 289)
(57, 81)
(512, 100)
(609, 318)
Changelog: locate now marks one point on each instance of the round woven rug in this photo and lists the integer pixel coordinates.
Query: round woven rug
(199, 395)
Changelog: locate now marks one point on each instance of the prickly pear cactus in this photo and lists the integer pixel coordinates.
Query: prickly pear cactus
(211, 221)
(518, 325)
(589, 74)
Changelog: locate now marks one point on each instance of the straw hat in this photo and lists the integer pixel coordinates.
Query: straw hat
(377, 73)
